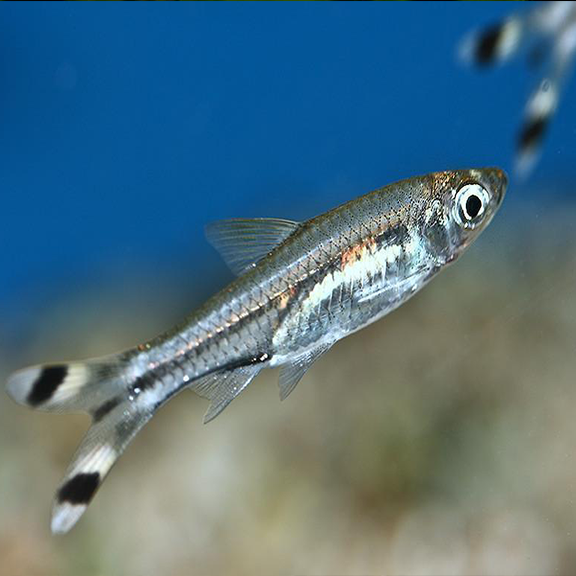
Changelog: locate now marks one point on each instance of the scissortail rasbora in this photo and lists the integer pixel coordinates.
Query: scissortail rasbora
(548, 33)
(301, 287)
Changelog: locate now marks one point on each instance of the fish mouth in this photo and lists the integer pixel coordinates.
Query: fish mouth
(498, 180)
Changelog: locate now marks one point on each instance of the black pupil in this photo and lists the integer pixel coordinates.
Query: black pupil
(473, 205)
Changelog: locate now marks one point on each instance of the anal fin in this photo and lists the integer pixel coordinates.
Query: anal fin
(291, 373)
(222, 387)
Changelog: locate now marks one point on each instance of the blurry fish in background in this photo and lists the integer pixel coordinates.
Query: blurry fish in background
(547, 34)
(301, 287)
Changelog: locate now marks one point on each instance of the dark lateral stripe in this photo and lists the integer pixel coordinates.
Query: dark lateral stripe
(105, 408)
(488, 44)
(148, 380)
(46, 384)
(532, 133)
(79, 489)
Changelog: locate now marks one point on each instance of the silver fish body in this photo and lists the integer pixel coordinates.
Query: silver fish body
(301, 288)
(334, 274)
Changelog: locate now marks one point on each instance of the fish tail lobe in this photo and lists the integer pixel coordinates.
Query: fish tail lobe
(64, 387)
(101, 447)
(494, 44)
(100, 388)
(120, 402)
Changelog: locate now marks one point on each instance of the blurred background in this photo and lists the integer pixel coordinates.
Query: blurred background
(437, 441)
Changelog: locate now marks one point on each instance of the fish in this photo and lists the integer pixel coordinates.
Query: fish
(547, 34)
(299, 288)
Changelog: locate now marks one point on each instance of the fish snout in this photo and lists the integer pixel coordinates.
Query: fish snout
(498, 181)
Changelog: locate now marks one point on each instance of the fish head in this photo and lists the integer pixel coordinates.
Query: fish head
(465, 201)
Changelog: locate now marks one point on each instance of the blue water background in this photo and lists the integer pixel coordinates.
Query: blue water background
(124, 129)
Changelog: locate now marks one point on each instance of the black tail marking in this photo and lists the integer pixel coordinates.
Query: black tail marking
(47, 383)
(487, 46)
(532, 133)
(105, 408)
(79, 489)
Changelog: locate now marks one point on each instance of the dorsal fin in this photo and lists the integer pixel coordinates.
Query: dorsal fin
(244, 241)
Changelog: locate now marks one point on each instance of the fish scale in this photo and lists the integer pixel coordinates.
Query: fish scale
(301, 287)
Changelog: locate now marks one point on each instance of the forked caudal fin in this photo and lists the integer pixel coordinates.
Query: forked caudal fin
(96, 387)
(101, 388)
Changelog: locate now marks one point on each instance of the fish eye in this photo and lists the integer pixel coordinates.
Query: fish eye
(471, 202)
